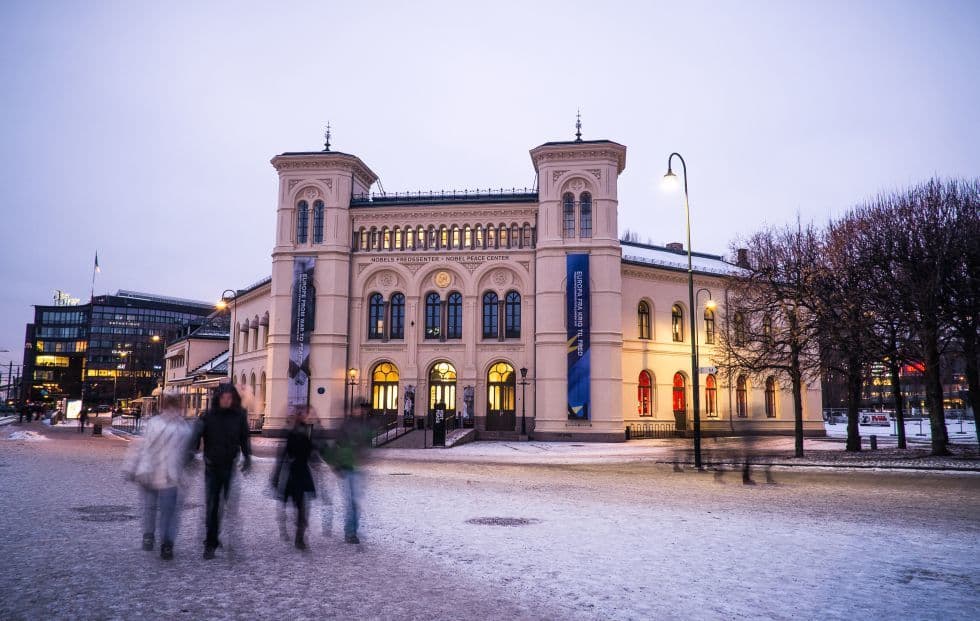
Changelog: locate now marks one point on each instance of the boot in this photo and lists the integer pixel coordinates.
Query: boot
(208, 552)
(148, 542)
(300, 541)
(167, 551)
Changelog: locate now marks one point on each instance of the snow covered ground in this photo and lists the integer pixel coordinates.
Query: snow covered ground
(964, 432)
(600, 539)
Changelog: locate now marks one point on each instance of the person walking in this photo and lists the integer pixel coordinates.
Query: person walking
(292, 477)
(224, 431)
(82, 419)
(346, 458)
(156, 463)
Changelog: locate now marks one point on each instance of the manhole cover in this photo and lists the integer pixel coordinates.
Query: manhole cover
(399, 474)
(100, 509)
(502, 521)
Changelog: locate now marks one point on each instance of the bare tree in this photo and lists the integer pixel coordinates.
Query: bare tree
(771, 327)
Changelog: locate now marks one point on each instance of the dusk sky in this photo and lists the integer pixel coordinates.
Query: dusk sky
(144, 130)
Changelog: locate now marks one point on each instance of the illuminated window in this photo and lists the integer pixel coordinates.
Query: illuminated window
(526, 240)
(479, 236)
(491, 236)
(679, 393)
(384, 388)
(709, 326)
(398, 238)
(710, 396)
(504, 236)
(467, 237)
(385, 238)
(677, 323)
(443, 237)
(741, 396)
(644, 395)
(376, 317)
(501, 389)
(771, 397)
(455, 240)
(643, 319)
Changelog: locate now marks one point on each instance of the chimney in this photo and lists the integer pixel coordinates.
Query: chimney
(743, 258)
(676, 246)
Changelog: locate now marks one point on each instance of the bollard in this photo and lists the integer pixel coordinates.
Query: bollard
(97, 429)
(874, 443)
(627, 432)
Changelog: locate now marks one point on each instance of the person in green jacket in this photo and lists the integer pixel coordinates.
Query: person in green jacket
(346, 457)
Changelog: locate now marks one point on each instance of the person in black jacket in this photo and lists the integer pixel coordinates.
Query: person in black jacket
(292, 478)
(224, 430)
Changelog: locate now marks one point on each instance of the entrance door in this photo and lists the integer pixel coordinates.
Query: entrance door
(442, 387)
(501, 398)
(384, 394)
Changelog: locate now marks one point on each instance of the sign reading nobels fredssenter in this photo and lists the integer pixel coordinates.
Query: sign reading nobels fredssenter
(303, 312)
(578, 322)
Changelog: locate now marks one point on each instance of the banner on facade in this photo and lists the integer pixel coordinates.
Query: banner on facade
(578, 322)
(301, 329)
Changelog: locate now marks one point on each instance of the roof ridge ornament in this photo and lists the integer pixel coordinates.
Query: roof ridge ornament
(578, 126)
(326, 138)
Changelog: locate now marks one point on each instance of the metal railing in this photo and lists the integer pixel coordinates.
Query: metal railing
(636, 431)
(129, 424)
(443, 196)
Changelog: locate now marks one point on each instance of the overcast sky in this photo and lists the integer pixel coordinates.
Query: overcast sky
(144, 130)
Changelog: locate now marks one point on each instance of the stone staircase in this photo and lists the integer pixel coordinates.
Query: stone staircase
(419, 439)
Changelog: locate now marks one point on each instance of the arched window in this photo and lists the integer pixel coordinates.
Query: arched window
(585, 215)
(397, 316)
(526, 236)
(490, 311)
(501, 397)
(491, 236)
(442, 386)
(454, 316)
(364, 239)
(398, 238)
(767, 328)
(318, 222)
(433, 316)
(568, 215)
(741, 396)
(504, 236)
(644, 395)
(375, 238)
(433, 243)
(443, 237)
(420, 238)
(454, 240)
(409, 238)
(709, 326)
(376, 317)
(643, 319)
(512, 315)
(677, 323)
(262, 389)
(515, 236)
(771, 397)
(710, 396)
(384, 389)
(467, 237)
(479, 236)
(679, 393)
(738, 328)
(385, 238)
(302, 222)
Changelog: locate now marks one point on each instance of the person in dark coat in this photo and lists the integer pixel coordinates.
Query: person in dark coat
(292, 478)
(82, 419)
(224, 430)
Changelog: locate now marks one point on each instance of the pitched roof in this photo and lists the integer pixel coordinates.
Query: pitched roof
(659, 256)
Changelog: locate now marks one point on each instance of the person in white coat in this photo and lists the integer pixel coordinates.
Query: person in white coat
(157, 464)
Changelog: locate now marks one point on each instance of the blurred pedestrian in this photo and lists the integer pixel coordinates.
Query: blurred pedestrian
(347, 457)
(156, 463)
(292, 478)
(224, 430)
(82, 419)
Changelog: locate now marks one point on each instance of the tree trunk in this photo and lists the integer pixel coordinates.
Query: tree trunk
(798, 413)
(934, 393)
(853, 407)
(973, 381)
(899, 404)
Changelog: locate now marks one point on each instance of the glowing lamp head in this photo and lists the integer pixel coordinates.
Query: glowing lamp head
(670, 181)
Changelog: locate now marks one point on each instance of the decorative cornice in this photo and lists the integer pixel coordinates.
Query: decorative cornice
(347, 163)
(572, 151)
(664, 274)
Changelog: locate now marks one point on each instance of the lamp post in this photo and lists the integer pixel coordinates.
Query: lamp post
(351, 383)
(230, 294)
(115, 377)
(524, 401)
(671, 178)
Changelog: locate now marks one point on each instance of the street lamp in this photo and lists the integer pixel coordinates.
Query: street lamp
(115, 377)
(351, 382)
(230, 294)
(670, 180)
(524, 401)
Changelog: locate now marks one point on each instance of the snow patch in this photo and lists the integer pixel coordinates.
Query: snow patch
(30, 436)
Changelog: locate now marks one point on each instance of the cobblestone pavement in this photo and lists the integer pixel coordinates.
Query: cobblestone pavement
(585, 541)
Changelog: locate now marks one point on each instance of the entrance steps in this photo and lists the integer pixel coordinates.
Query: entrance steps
(419, 439)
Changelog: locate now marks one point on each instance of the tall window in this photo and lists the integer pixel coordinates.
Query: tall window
(375, 238)
(384, 388)
(479, 236)
(709, 326)
(376, 317)
(455, 240)
(398, 238)
(454, 316)
(443, 237)
(490, 311)
(568, 215)
(710, 396)
(771, 397)
(318, 222)
(512, 315)
(409, 238)
(504, 236)
(385, 238)
(526, 236)
(302, 222)
(767, 328)
(741, 396)
(420, 238)
(738, 327)
(585, 215)
(397, 305)
(364, 239)
(491, 236)
(433, 312)
(677, 323)
(433, 238)
(644, 395)
(467, 237)
(643, 319)
(679, 395)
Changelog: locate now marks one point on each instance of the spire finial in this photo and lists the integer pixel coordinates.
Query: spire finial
(578, 126)
(326, 138)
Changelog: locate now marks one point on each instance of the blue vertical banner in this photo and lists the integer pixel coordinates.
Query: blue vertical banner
(301, 329)
(578, 320)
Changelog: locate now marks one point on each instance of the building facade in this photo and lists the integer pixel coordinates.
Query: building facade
(514, 310)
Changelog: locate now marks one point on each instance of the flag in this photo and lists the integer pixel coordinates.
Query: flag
(97, 268)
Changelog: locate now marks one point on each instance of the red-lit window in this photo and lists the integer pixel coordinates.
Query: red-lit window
(680, 397)
(644, 395)
(710, 396)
